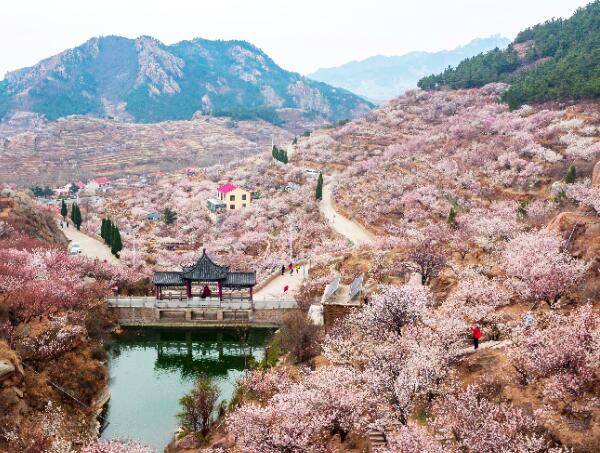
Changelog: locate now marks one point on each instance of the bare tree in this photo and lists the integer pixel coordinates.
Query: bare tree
(426, 259)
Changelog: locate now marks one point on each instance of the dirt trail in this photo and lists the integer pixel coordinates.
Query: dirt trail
(90, 246)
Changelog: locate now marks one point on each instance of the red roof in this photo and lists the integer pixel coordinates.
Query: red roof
(101, 180)
(156, 174)
(227, 188)
(80, 184)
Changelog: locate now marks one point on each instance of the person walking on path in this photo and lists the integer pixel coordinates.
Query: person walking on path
(297, 268)
(291, 269)
(476, 335)
(282, 269)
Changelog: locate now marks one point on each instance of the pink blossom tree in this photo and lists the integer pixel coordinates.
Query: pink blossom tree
(539, 269)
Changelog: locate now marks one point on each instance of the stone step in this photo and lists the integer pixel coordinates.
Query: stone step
(376, 439)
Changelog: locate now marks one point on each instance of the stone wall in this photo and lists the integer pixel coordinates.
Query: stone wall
(190, 316)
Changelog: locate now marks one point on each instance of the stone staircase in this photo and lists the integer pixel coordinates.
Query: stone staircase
(376, 440)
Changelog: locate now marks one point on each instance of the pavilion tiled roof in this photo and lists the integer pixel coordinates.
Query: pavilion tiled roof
(240, 279)
(168, 278)
(205, 270)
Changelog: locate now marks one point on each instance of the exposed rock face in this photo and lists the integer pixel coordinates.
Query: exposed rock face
(582, 230)
(596, 175)
(18, 211)
(158, 68)
(6, 367)
(12, 406)
(148, 81)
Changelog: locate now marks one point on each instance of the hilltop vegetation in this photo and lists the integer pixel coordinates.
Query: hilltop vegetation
(559, 59)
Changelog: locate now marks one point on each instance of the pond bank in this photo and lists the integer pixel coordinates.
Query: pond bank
(152, 368)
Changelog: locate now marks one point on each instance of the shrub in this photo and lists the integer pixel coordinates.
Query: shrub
(300, 337)
(198, 406)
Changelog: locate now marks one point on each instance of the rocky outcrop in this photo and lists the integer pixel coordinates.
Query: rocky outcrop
(596, 175)
(18, 211)
(157, 82)
(581, 230)
(12, 405)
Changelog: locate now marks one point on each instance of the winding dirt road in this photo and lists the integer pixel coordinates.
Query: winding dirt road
(354, 232)
(90, 246)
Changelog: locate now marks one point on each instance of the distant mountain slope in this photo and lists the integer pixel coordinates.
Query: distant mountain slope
(381, 78)
(145, 80)
(558, 59)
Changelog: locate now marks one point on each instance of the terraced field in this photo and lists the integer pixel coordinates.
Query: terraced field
(80, 147)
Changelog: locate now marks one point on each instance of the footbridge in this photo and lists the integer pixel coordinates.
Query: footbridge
(149, 311)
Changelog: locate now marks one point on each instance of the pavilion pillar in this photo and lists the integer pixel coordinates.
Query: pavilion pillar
(158, 293)
(188, 289)
(220, 286)
(251, 297)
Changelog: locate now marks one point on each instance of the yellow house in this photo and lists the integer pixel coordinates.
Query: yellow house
(234, 197)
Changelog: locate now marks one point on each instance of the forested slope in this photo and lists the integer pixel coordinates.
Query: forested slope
(559, 59)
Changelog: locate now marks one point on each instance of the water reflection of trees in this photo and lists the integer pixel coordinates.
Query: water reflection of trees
(192, 352)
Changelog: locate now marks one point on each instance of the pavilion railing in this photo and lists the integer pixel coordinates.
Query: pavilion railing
(213, 303)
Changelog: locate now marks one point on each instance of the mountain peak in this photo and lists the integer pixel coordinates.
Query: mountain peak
(383, 77)
(145, 80)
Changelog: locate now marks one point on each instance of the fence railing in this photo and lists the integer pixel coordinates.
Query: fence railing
(151, 302)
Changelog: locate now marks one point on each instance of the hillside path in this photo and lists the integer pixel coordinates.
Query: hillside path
(274, 289)
(90, 246)
(350, 229)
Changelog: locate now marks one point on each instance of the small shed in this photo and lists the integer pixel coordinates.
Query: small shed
(153, 216)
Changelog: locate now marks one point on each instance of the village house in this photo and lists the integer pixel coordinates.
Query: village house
(98, 184)
(233, 196)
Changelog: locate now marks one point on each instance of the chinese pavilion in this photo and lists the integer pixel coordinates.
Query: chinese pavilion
(208, 277)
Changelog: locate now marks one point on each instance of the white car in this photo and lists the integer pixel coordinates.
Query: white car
(75, 249)
(312, 171)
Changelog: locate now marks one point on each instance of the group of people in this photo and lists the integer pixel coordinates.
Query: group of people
(291, 267)
(65, 223)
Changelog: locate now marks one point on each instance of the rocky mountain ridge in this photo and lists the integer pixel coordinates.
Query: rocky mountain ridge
(381, 78)
(144, 80)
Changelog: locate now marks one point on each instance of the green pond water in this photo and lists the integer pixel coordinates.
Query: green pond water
(151, 369)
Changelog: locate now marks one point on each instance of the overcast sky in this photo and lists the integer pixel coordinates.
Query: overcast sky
(300, 35)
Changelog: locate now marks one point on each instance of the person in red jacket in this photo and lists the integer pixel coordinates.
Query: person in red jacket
(475, 334)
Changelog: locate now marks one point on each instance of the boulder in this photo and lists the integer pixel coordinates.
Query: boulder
(6, 368)
(565, 221)
(596, 175)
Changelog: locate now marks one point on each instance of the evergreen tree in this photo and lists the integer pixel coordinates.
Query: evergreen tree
(117, 244)
(109, 232)
(63, 209)
(295, 141)
(319, 192)
(169, 216)
(452, 217)
(279, 154)
(571, 175)
(76, 215)
(522, 210)
(103, 229)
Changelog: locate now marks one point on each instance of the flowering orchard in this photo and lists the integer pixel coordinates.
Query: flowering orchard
(460, 192)
(282, 221)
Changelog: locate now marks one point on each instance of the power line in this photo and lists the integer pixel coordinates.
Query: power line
(65, 392)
